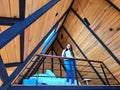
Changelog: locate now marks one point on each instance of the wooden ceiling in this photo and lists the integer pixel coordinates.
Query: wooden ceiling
(100, 40)
(101, 45)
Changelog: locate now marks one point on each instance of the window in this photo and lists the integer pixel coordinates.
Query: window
(50, 39)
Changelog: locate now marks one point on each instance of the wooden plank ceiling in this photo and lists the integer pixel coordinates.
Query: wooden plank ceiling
(104, 22)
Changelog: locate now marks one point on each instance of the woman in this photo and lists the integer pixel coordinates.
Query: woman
(69, 64)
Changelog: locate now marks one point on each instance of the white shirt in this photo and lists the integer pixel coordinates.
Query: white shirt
(67, 53)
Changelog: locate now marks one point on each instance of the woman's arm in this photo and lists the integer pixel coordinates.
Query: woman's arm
(63, 53)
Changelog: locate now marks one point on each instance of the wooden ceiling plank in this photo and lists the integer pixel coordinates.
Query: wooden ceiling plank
(5, 10)
(14, 8)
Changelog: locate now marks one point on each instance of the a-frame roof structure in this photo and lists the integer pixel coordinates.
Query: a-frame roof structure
(92, 27)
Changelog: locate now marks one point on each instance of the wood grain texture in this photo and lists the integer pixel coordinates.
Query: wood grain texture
(101, 17)
(14, 8)
(9, 8)
(41, 27)
(4, 8)
(104, 21)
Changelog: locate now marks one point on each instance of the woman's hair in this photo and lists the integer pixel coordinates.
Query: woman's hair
(71, 50)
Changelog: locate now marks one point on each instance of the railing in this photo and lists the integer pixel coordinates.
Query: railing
(83, 73)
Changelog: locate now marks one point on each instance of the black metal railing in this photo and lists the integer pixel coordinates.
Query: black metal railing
(82, 72)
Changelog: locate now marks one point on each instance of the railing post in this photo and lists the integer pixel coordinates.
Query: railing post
(105, 74)
(76, 76)
(52, 64)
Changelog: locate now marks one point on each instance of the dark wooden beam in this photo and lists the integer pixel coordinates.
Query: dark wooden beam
(12, 64)
(22, 9)
(8, 21)
(22, 17)
(65, 87)
(113, 5)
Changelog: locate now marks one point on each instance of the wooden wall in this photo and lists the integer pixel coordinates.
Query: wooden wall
(101, 16)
